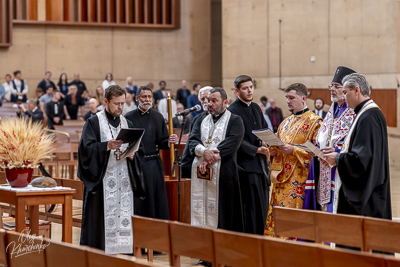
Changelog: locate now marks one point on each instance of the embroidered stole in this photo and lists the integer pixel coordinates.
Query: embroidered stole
(118, 195)
(331, 134)
(204, 193)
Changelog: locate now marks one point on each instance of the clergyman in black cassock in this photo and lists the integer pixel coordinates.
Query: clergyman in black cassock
(155, 204)
(363, 164)
(253, 166)
(229, 215)
(93, 163)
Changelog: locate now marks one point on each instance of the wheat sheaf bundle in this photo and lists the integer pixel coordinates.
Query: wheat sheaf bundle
(23, 144)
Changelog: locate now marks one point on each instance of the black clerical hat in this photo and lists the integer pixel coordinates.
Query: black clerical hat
(340, 73)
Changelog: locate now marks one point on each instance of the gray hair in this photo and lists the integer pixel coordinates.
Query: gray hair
(32, 101)
(203, 89)
(356, 79)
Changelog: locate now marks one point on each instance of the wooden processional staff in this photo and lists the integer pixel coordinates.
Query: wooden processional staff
(171, 131)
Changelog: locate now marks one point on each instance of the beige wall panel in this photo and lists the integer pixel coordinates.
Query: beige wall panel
(245, 43)
(26, 54)
(82, 50)
(365, 40)
(304, 33)
(170, 55)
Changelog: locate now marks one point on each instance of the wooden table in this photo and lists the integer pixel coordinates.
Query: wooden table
(21, 198)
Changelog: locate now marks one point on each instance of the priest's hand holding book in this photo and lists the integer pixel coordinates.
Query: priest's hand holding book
(330, 155)
(263, 149)
(114, 144)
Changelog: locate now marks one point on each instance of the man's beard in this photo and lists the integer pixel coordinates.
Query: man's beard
(205, 107)
(145, 105)
(114, 114)
(217, 111)
(336, 99)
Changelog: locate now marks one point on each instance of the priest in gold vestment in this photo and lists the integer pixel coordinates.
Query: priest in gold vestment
(290, 164)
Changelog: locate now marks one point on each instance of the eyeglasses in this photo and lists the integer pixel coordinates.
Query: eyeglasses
(334, 86)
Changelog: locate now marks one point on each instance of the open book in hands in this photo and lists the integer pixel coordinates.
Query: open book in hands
(310, 147)
(133, 136)
(268, 137)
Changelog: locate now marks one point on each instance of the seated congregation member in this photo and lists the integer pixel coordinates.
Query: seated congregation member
(130, 87)
(182, 94)
(63, 84)
(108, 81)
(275, 114)
(72, 102)
(163, 105)
(100, 97)
(194, 100)
(19, 88)
(46, 82)
(155, 204)
(93, 108)
(7, 87)
(177, 121)
(289, 167)
(79, 84)
(319, 107)
(108, 203)
(46, 98)
(129, 103)
(55, 110)
(32, 111)
(215, 141)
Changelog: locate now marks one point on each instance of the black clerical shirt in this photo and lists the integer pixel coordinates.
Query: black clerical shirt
(301, 111)
(216, 118)
(359, 106)
(114, 121)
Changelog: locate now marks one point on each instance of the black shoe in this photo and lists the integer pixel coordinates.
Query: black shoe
(204, 263)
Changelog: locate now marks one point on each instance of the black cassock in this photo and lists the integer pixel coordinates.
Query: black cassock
(230, 215)
(92, 164)
(187, 158)
(253, 168)
(364, 170)
(155, 204)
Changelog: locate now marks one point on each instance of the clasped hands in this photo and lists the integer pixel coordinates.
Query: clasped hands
(209, 158)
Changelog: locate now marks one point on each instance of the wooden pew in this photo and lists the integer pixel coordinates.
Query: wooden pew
(237, 249)
(29, 259)
(153, 234)
(381, 235)
(191, 241)
(319, 226)
(65, 255)
(58, 254)
(278, 252)
(3, 253)
(344, 257)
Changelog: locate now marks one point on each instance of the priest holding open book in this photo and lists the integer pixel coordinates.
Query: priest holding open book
(290, 164)
(111, 178)
(322, 182)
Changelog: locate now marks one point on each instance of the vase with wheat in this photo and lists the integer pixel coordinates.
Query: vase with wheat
(23, 145)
